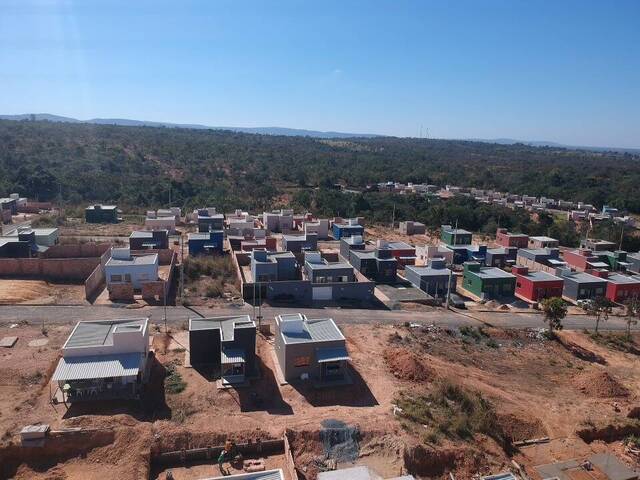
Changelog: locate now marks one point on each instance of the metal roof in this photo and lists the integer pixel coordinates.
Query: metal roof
(232, 355)
(97, 333)
(356, 473)
(98, 366)
(319, 330)
(266, 475)
(334, 354)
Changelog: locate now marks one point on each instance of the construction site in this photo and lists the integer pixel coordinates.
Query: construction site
(425, 400)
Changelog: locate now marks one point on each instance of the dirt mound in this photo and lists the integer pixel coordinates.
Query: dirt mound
(600, 384)
(406, 365)
(518, 427)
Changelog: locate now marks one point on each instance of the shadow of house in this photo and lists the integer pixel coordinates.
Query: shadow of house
(264, 394)
(357, 394)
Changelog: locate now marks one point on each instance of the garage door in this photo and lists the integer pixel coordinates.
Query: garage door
(322, 293)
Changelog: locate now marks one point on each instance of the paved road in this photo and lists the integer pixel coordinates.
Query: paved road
(178, 315)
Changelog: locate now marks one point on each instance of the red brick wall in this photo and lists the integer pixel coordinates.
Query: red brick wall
(121, 292)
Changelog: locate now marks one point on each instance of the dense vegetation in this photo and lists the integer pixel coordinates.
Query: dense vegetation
(144, 166)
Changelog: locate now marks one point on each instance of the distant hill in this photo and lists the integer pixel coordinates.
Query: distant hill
(545, 143)
(290, 132)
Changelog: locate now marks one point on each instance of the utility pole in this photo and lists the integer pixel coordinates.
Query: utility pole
(455, 232)
(393, 216)
(621, 236)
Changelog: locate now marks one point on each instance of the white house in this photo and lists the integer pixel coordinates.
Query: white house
(122, 268)
(104, 359)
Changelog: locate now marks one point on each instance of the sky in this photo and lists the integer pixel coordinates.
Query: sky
(566, 71)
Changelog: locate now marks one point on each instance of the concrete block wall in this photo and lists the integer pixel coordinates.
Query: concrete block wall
(121, 291)
(81, 250)
(61, 269)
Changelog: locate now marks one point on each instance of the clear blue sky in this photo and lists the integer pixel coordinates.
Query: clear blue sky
(566, 71)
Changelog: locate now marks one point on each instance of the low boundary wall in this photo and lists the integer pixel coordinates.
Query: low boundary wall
(55, 269)
(81, 250)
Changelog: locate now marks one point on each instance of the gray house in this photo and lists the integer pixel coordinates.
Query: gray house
(634, 262)
(581, 286)
(501, 257)
(227, 345)
(311, 350)
(273, 266)
(298, 243)
(354, 242)
(378, 265)
(432, 279)
(319, 270)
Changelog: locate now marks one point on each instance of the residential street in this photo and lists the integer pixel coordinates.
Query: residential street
(178, 315)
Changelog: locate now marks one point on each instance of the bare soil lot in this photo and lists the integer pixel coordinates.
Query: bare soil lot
(16, 291)
(465, 396)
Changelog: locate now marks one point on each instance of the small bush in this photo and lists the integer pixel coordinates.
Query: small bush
(451, 411)
(173, 383)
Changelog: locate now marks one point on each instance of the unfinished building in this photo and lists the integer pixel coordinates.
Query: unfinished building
(103, 360)
(225, 345)
(310, 350)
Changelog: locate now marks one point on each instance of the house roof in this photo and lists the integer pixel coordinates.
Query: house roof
(428, 271)
(265, 475)
(541, 276)
(582, 277)
(134, 260)
(202, 235)
(492, 272)
(356, 473)
(100, 332)
(334, 354)
(400, 246)
(543, 238)
(328, 265)
(226, 325)
(98, 366)
(101, 207)
(620, 279)
(146, 233)
(317, 330)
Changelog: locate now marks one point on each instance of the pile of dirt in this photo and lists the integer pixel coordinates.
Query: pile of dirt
(521, 427)
(600, 384)
(406, 365)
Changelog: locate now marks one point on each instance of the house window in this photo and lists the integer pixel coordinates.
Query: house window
(127, 277)
(116, 278)
(301, 361)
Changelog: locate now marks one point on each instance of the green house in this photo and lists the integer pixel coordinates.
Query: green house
(101, 214)
(454, 236)
(487, 282)
(616, 260)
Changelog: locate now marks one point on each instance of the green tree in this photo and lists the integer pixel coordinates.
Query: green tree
(632, 306)
(554, 309)
(599, 308)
